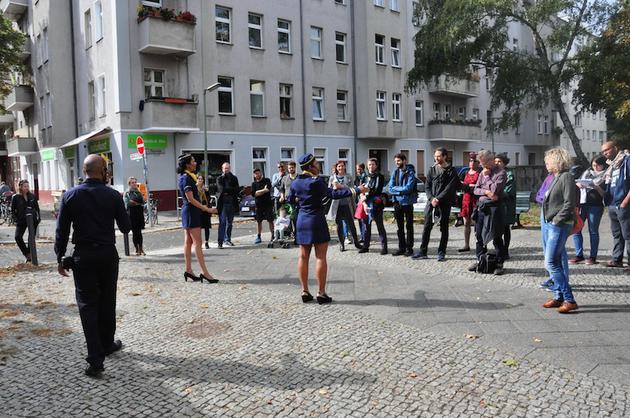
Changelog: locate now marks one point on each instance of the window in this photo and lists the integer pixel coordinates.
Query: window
(100, 102)
(152, 3)
(284, 36)
(415, 6)
(259, 159)
(531, 158)
(602, 137)
(475, 114)
(396, 107)
(257, 98)
(393, 5)
(87, 28)
(379, 3)
(40, 54)
(437, 111)
(254, 25)
(44, 45)
(447, 111)
(153, 83)
(546, 125)
(91, 101)
(380, 106)
(342, 2)
(320, 157)
(514, 44)
(344, 155)
(287, 154)
(226, 95)
(419, 113)
(286, 101)
(395, 52)
(316, 42)
(318, 103)
(342, 105)
(98, 14)
(340, 47)
(223, 23)
(42, 106)
(48, 114)
(539, 120)
(578, 119)
(461, 113)
(517, 158)
(379, 48)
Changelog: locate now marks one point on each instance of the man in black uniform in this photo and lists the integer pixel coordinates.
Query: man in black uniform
(227, 204)
(261, 190)
(91, 209)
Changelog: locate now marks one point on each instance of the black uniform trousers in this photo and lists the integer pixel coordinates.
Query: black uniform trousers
(95, 278)
(19, 239)
(404, 218)
(445, 213)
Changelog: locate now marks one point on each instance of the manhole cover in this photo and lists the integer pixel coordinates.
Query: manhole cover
(204, 328)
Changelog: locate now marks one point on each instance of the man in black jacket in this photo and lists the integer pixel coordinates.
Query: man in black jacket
(227, 204)
(22, 203)
(441, 187)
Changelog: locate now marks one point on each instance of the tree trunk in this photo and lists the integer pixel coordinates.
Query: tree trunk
(568, 127)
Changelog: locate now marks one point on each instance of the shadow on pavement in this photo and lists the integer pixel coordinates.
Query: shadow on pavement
(271, 281)
(601, 288)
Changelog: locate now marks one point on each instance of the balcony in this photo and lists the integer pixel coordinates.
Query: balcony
(20, 98)
(166, 37)
(455, 87)
(469, 130)
(22, 146)
(169, 115)
(25, 52)
(6, 121)
(13, 9)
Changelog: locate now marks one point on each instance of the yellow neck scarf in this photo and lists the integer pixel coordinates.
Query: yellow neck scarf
(309, 173)
(192, 175)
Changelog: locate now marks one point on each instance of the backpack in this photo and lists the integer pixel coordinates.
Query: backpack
(487, 263)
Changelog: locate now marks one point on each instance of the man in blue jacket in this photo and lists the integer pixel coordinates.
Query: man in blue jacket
(402, 188)
(617, 197)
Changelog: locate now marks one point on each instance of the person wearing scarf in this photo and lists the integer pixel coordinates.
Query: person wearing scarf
(341, 210)
(374, 199)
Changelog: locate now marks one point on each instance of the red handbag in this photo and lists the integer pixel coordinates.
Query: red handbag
(578, 223)
(360, 212)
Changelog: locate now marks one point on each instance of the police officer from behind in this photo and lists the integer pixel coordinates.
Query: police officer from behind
(91, 209)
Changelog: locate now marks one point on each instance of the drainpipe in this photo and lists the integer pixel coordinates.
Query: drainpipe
(354, 84)
(303, 77)
(74, 88)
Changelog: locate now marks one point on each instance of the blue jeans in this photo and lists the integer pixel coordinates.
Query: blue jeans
(225, 223)
(557, 260)
(594, 215)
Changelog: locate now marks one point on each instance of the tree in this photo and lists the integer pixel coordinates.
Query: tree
(11, 43)
(458, 36)
(605, 74)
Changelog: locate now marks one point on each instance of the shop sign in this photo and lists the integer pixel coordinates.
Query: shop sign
(47, 154)
(99, 145)
(69, 152)
(151, 141)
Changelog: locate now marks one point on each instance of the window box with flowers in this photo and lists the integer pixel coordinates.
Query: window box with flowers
(164, 31)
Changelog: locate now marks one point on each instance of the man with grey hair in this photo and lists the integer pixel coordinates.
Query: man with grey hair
(489, 223)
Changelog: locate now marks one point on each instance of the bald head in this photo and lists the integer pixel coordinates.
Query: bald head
(94, 167)
(609, 150)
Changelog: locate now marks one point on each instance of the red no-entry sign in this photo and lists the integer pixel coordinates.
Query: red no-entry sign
(140, 145)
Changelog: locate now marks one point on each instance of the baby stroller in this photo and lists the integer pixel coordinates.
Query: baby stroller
(286, 239)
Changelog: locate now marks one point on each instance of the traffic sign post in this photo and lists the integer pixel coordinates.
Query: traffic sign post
(141, 151)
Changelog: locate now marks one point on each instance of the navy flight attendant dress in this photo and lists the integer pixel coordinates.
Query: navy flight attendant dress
(191, 216)
(308, 192)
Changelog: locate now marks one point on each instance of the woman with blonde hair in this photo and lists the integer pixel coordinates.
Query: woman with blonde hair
(558, 210)
(134, 203)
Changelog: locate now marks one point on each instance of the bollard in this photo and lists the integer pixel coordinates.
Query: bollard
(30, 223)
(126, 242)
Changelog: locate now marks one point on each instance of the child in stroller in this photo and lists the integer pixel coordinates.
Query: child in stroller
(282, 228)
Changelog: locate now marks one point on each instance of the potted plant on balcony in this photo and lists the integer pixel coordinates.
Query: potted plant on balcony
(167, 14)
(186, 17)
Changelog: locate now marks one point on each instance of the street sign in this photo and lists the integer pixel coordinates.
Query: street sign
(140, 145)
(136, 156)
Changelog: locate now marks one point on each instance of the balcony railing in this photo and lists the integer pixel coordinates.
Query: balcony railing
(20, 98)
(21, 146)
(166, 37)
(455, 130)
(166, 114)
(455, 87)
(13, 9)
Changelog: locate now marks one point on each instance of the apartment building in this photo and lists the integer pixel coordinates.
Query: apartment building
(320, 76)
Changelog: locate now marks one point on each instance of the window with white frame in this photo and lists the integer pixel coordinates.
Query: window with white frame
(602, 137)
(40, 54)
(342, 105)
(87, 28)
(317, 98)
(286, 101)
(539, 121)
(153, 83)
(257, 98)
(340, 47)
(98, 20)
(415, 13)
(380, 105)
(152, 3)
(447, 111)
(48, 101)
(461, 113)
(45, 45)
(226, 95)
(259, 159)
(342, 2)
(255, 30)
(91, 93)
(379, 48)
(437, 111)
(320, 157)
(395, 52)
(287, 154)
(475, 114)
(396, 107)
(344, 155)
(223, 24)
(100, 102)
(394, 5)
(284, 36)
(316, 42)
(577, 119)
(419, 113)
(379, 3)
(546, 125)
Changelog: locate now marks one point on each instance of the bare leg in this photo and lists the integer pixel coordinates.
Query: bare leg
(187, 254)
(321, 266)
(195, 234)
(259, 228)
(467, 222)
(271, 229)
(305, 253)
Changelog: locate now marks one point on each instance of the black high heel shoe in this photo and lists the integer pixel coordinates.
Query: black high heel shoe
(202, 278)
(323, 299)
(191, 277)
(306, 297)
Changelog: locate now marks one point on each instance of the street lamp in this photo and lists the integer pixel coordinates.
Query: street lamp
(211, 87)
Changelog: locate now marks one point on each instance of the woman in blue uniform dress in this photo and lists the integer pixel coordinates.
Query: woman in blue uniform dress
(307, 192)
(191, 217)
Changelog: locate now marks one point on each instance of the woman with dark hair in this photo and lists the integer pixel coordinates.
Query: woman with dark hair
(307, 192)
(591, 208)
(341, 210)
(206, 217)
(469, 200)
(507, 201)
(191, 217)
(134, 203)
(374, 200)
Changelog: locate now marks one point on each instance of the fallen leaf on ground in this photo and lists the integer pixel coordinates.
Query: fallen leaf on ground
(242, 287)
(412, 375)
(41, 332)
(323, 392)
(7, 313)
(471, 336)
(510, 362)
(204, 306)
(134, 294)
(537, 340)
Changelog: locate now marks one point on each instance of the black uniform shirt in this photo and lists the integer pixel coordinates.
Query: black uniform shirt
(91, 209)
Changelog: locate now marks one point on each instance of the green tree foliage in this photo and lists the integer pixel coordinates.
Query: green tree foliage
(605, 77)
(457, 36)
(11, 42)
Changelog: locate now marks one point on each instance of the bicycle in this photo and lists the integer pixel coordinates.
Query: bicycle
(6, 216)
(151, 207)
